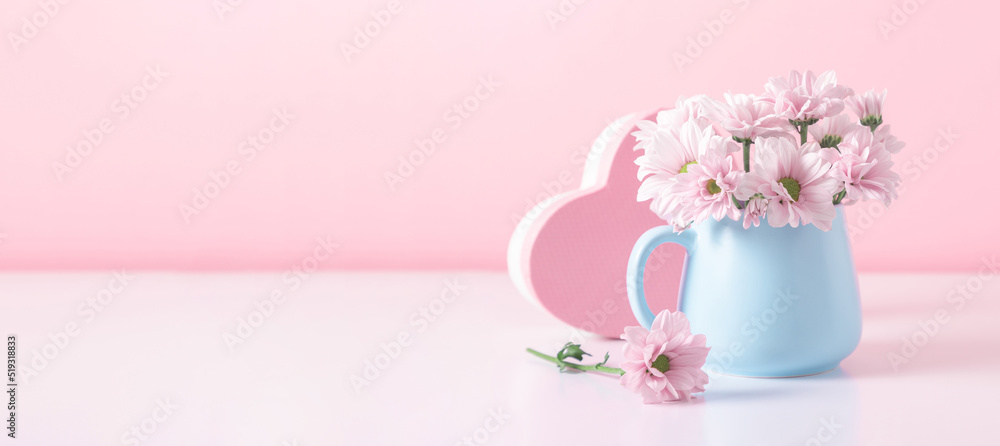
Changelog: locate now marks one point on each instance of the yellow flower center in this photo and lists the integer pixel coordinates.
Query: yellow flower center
(713, 187)
(661, 363)
(792, 187)
(684, 168)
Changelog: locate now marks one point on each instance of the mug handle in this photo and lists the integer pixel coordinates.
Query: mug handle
(643, 248)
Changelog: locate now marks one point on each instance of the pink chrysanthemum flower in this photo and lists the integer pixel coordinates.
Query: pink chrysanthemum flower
(747, 117)
(831, 131)
(865, 168)
(756, 208)
(664, 363)
(806, 97)
(660, 164)
(868, 107)
(795, 182)
(883, 135)
(653, 135)
(707, 189)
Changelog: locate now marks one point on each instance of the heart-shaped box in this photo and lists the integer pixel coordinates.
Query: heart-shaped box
(569, 254)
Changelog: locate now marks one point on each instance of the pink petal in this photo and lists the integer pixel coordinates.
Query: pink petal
(635, 336)
(657, 383)
(656, 337)
(680, 379)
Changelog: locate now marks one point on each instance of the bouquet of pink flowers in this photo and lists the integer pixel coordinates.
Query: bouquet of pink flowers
(808, 155)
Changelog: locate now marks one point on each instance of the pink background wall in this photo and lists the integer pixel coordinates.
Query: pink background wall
(323, 173)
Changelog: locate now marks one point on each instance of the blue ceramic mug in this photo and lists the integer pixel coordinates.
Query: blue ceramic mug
(773, 302)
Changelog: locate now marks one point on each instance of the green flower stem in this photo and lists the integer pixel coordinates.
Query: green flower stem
(746, 155)
(582, 368)
(839, 196)
(803, 132)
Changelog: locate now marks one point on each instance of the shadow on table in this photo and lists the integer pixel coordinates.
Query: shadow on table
(781, 410)
(922, 345)
(888, 358)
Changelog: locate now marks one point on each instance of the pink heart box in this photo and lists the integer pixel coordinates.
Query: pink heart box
(569, 254)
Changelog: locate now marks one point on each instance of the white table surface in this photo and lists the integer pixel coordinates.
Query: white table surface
(160, 342)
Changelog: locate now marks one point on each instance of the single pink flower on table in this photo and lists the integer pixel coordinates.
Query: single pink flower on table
(806, 97)
(664, 363)
(868, 107)
(794, 180)
(659, 165)
(831, 131)
(865, 168)
(707, 189)
(747, 117)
